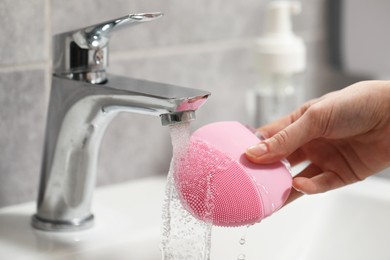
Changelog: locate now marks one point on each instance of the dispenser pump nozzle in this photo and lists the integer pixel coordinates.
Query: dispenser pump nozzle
(279, 49)
(279, 16)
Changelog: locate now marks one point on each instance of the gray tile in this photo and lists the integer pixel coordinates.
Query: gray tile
(134, 146)
(22, 113)
(22, 31)
(321, 76)
(227, 74)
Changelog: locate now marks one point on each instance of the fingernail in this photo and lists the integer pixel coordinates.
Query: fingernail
(300, 191)
(260, 135)
(257, 150)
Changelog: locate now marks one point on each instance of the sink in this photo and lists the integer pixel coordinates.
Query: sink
(349, 223)
(127, 226)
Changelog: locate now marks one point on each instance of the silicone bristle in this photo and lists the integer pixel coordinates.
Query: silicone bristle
(214, 187)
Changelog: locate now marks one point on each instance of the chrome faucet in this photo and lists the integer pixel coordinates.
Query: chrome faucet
(83, 101)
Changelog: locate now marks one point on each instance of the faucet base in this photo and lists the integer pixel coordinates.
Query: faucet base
(59, 225)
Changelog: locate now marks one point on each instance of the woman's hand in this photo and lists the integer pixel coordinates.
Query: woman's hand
(345, 135)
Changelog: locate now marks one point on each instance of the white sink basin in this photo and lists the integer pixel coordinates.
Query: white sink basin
(127, 226)
(350, 223)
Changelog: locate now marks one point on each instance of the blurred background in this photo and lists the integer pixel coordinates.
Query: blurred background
(199, 44)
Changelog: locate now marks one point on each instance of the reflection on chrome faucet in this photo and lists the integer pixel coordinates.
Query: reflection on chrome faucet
(83, 101)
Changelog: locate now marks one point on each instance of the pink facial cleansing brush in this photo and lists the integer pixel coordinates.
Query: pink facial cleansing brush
(217, 183)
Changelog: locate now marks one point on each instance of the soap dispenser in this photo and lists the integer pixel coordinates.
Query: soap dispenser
(280, 57)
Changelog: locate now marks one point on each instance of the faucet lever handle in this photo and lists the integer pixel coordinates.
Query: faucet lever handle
(98, 35)
(82, 54)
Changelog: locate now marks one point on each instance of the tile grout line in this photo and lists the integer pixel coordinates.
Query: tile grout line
(155, 52)
(48, 44)
(194, 48)
(26, 66)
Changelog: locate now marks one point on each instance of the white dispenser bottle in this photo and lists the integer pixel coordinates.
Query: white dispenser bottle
(281, 61)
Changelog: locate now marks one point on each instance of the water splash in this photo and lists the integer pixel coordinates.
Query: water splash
(183, 236)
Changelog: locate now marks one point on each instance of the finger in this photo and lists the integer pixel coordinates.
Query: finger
(308, 172)
(269, 130)
(272, 128)
(317, 184)
(277, 145)
(283, 143)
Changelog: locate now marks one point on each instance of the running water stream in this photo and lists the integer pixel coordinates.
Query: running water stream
(183, 236)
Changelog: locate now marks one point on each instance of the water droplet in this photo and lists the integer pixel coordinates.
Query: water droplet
(242, 241)
(241, 257)
(265, 189)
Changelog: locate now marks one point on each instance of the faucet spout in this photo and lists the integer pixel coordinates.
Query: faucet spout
(79, 113)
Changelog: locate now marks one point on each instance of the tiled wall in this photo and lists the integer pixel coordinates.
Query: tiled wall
(200, 44)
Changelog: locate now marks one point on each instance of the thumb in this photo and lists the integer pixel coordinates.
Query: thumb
(284, 142)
